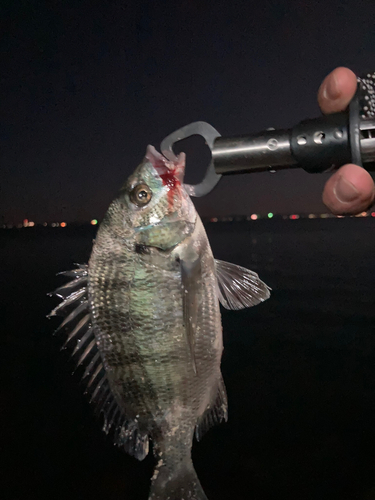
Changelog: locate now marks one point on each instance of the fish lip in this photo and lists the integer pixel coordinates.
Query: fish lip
(163, 164)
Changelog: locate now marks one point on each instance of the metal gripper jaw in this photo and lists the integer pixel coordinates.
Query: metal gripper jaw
(209, 133)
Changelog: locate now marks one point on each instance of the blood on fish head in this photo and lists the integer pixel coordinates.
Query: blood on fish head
(163, 165)
(170, 172)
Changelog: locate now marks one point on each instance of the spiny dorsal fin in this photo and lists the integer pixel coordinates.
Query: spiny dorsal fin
(77, 326)
(239, 287)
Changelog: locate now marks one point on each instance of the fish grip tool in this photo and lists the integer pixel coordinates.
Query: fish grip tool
(317, 145)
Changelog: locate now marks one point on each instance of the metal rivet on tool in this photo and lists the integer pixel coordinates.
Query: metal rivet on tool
(338, 133)
(272, 144)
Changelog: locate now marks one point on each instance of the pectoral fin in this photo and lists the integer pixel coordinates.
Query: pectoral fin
(239, 287)
(191, 278)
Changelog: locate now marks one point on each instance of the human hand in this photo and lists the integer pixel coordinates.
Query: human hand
(350, 190)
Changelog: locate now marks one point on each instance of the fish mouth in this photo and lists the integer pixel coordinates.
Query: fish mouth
(168, 170)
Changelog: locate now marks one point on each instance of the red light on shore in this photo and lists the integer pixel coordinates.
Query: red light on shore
(294, 217)
(372, 214)
(63, 224)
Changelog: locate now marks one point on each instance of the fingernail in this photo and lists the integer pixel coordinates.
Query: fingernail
(331, 90)
(345, 191)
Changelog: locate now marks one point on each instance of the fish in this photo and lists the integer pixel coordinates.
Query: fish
(144, 319)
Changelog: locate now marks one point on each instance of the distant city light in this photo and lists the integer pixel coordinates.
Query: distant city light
(251, 217)
(27, 223)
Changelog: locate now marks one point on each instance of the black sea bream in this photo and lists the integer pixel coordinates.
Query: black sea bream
(147, 323)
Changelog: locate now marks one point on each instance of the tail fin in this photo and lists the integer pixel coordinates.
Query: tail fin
(178, 483)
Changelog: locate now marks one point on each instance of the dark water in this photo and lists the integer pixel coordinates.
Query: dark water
(299, 370)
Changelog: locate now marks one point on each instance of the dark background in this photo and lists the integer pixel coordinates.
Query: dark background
(299, 371)
(86, 85)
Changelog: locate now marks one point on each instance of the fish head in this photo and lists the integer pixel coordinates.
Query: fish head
(156, 204)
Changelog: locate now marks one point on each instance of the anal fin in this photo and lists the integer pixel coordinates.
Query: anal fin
(215, 413)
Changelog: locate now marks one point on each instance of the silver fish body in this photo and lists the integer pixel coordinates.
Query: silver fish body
(152, 296)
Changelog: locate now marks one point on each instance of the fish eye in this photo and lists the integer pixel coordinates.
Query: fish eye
(140, 195)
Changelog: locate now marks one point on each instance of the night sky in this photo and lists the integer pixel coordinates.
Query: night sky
(85, 86)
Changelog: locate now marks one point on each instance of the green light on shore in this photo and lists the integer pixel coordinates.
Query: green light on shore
(94, 222)
(270, 215)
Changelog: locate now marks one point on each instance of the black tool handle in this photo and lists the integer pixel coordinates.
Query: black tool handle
(316, 145)
(322, 143)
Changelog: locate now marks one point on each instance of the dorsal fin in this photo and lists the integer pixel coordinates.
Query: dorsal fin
(81, 340)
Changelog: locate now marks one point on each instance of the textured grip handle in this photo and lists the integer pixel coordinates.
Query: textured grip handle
(366, 95)
(361, 108)
(330, 141)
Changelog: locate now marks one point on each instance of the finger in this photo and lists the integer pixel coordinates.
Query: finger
(350, 190)
(337, 90)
